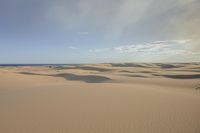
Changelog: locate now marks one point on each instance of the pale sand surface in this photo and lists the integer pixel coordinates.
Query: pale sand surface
(101, 98)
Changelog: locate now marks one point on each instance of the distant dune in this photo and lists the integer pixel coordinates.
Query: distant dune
(100, 98)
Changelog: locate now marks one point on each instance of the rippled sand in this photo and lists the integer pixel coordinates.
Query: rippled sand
(101, 98)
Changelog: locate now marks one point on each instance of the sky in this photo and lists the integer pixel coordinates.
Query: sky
(99, 31)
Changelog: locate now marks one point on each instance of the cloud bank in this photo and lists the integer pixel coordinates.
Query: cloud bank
(164, 49)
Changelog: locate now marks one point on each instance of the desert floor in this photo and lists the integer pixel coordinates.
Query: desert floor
(101, 98)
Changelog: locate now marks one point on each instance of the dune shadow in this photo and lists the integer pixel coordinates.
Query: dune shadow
(137, 76)
(197, 87)
(194, 70)
(166, 66)
(147, 72)
(127, 65)
(69, 76)
(29, 73)
(125, 71)
(191, 76)
(143, 72)
(85, 78)
(90, 68)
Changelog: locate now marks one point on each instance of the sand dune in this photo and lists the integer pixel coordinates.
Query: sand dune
(100, 98)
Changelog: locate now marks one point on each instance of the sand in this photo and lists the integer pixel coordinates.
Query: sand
(101, 98)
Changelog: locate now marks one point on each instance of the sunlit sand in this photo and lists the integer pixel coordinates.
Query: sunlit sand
(100, 98)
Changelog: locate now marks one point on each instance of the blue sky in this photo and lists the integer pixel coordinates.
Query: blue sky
(93, 31)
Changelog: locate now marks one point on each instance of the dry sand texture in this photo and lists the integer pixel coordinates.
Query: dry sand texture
(101, 98)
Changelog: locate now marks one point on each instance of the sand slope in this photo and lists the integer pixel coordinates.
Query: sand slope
(125, 98)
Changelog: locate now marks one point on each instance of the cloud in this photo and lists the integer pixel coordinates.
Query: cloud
(73, 48)
(157, 49)
(147, 48)
(158, 17)
(100, 50)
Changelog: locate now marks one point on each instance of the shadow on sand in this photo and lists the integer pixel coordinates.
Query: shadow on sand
(166, 66)
(197, 87)
(192, 76)
(128, 65)
(84, 68)
(136, 76)
(85, 78)
(69, 76)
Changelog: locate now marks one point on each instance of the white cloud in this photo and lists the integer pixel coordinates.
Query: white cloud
(73, 48)
(100, 50)
(149, 48)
